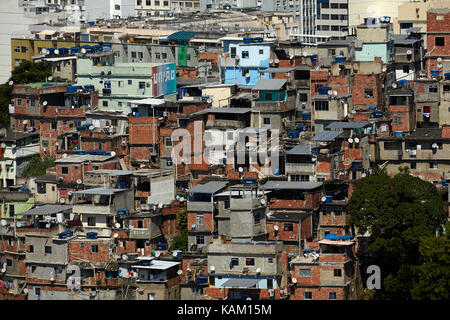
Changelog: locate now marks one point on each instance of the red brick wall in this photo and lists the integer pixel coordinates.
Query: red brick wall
(78, 253)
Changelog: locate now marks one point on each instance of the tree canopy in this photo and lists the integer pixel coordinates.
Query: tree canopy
(397, 212)
(26, 72)
(37, 166)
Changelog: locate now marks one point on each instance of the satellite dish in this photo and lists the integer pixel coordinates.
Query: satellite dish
(409, 52)
(335, 93)
(70, 193)
(62, 200)
(258, 270)
(363, 175)
(83, 50)
(294, 280)
(434, 145)
(350, 140)
(79, 181)
(11, 83)
(276, 228)
(124, 257)
(47, 225)
(113, 153)
(44, 103)
(18, 224)
(323, 199)
(91, 127)
(44, 51)
(25, 290)
(160, 205)
(117, 225)
(382, 19)
(115, 235)
(157, 254)
(313, 159)
(317, 68)
(56, 51)
(357, 140)
(212, 268)
(384, 69)
(180, 272)
(394, 85)
(65, 156)
(3, 222)
(439, 65)
(241, 169)
(182, 199)
(305, 54)
(263, 202)
(439, 59)
(248, 298)
(330, 92)
(188, 270)
(50, 78)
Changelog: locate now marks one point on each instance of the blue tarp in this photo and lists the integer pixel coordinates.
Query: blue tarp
(332, 236)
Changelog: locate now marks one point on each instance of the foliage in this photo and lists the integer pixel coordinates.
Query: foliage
(38, 166)
(396, 212)
(26, 72)
(432, 277)
(180, 241)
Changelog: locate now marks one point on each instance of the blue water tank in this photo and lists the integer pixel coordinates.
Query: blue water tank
(248, 182)
(378, 114)
(435, 72)
(91, 235)
(306, 115)
(328, 199)
(357, 164)
(339, 59)
(323, 90)
(447, 76)
(293, 134)
(398, 133)
(372, 107)
(301, 128)
(162, 246)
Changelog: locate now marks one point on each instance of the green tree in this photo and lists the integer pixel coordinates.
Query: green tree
(180, 241)
(396, 212)
(432, 276)
(26, 72)
(37, 166)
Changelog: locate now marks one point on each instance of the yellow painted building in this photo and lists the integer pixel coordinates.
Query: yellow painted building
(25, 49)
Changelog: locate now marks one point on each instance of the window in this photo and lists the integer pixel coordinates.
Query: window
(288, 227)
(303, 97)
(266, 120)
(91, 221)
(164, 55)
(54, 125)
(321, 105)
(334, 28)
(334, 6)
(168, 142)
(11, 210)
(440, 41)
(405, 69)
(343, 5)
(368, 93)
(234, 262)
(121, 84)
(200, 239)
(37, 291)
(19, 102)
(433, 165)
(147, 2)
(325, 17)
(30, 248)
(413, 165)
(261, 51)
(130, 82)
(233, 52)
(141, 85)
(200, 219)
(17, 49)
(337, 272)
(269, 283)
(48, 249)
(105, 103)
(64, 170)
(332, 296)
(250, 261)
(157, 55)
(81, 245)
(325, 28)
(270, 260)
(268, 96)
(334, 17)
(9, 262)
(305, 272)
(245, 55)
(307, 295)
(432, 88)
(140, 224)
(94, 248)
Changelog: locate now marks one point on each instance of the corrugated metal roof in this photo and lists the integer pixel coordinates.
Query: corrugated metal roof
(290, 185)
(181, 35)
(269, 84)
(79, 158)
(348, 125)
(277, 70)
(300, 149)
(159, 265)
(327, 135)
(46, 210)
(240, 283)
(226, 110)
(209, 188)
(100, 191)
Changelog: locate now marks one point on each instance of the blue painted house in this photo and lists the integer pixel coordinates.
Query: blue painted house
(243, 60)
